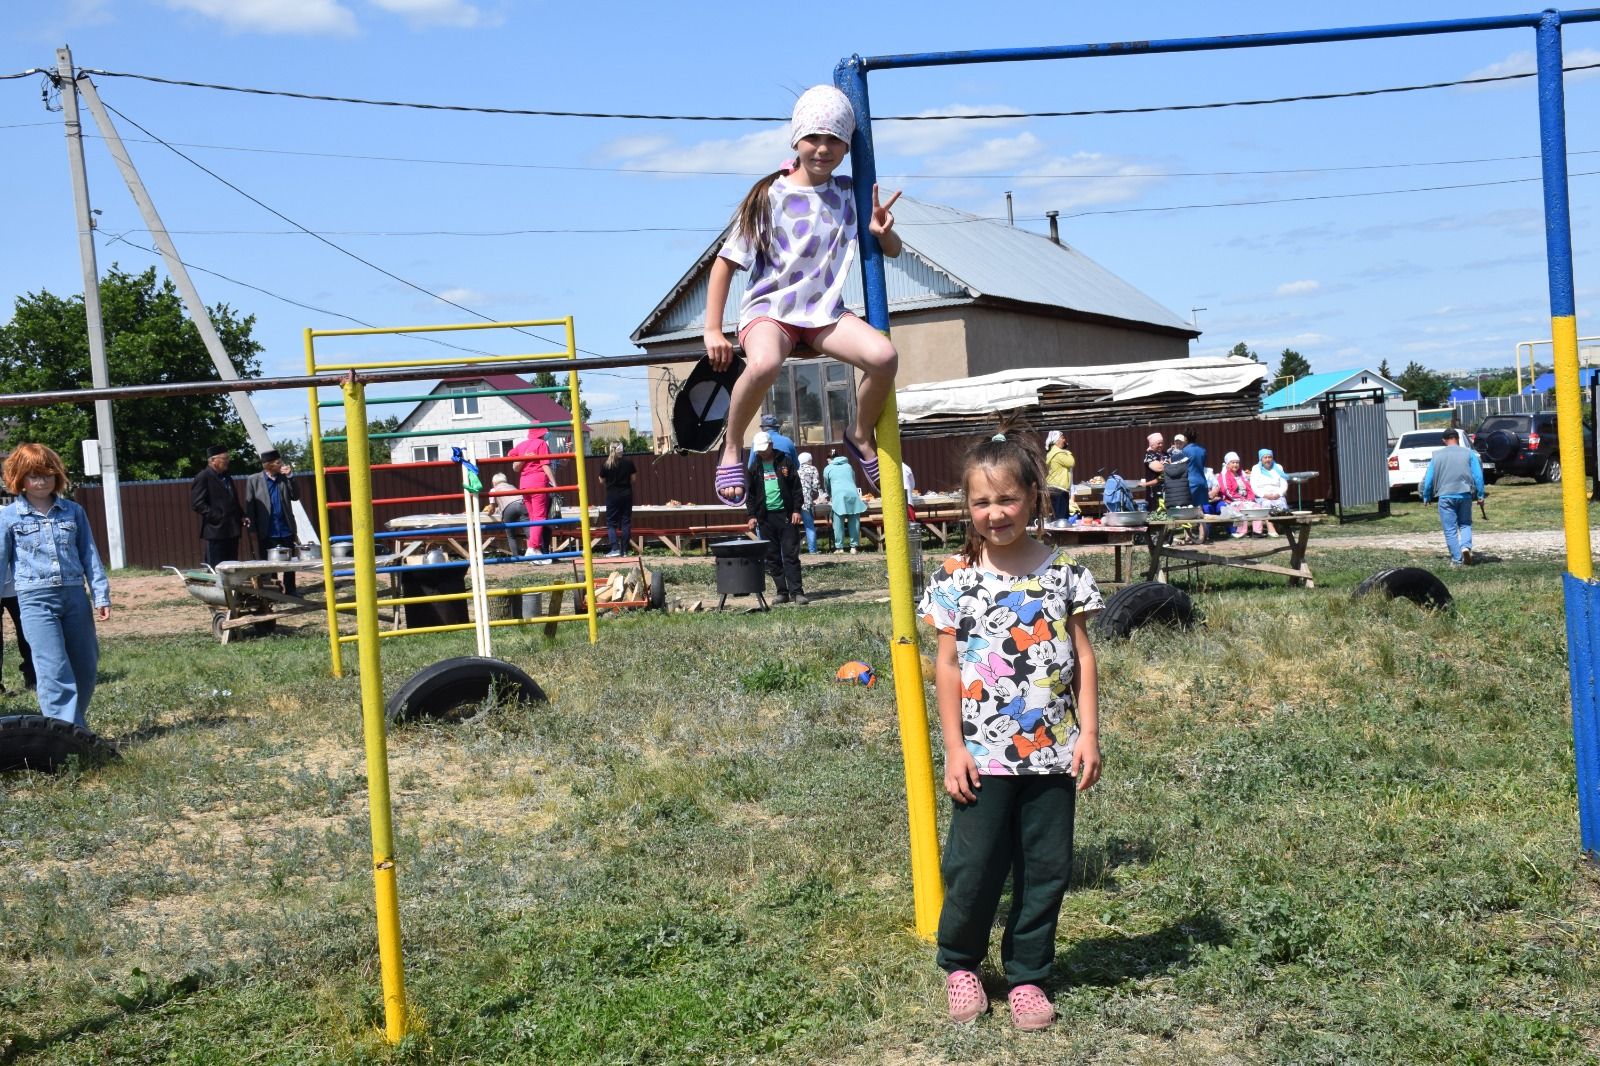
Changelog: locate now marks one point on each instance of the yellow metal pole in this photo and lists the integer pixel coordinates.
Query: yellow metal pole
(927, 887)
(335, 658)
(1569, 426)
(372, 716)
(583, 492)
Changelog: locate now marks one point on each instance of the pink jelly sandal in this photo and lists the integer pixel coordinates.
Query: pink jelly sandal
(869, 467)
(730, 476)
(965, 992)
(1030, 1008)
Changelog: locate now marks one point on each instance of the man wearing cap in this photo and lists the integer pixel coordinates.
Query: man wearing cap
(780, 443)
(211, 496)
(773, 500)
(267, 496)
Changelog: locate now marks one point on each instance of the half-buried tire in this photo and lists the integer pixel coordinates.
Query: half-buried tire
(1144, 603)
(36, 742)
(453, 690)
(658, 591)
(1421, 587)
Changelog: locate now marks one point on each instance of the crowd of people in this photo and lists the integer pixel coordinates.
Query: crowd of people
(1177, 475)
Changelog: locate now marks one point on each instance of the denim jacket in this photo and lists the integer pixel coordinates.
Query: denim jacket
(51, 550)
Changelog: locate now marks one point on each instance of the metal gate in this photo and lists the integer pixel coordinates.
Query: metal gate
(1358, 446)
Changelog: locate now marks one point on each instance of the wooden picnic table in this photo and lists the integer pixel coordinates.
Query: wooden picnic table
(1293, 529)
(1120, 539)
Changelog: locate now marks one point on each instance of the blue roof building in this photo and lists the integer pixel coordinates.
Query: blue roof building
(1309, 390)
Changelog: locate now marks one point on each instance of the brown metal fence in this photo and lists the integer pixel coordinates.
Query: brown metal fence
(159, 529)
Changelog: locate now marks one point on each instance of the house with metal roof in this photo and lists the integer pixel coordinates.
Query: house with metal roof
(490, 412)
(967, 296)
(1303, 395)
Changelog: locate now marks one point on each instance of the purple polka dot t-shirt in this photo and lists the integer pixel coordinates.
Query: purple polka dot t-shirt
(800, 278)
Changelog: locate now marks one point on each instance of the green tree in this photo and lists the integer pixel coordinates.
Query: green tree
(1383, 368)
(545, 379)
(1423, 385)
(149, 340)
(633, 442)
(1242, 351)
(337, 452)
(1292, 366)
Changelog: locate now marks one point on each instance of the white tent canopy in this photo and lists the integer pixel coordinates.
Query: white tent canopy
(1123, 381)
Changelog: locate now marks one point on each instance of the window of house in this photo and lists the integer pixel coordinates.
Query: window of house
(462, 403)
(814, 400)
(498, 448)
(425, 453)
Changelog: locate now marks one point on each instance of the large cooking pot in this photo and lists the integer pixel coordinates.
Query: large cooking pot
(342, 549)
(279, 554)
(739, 570)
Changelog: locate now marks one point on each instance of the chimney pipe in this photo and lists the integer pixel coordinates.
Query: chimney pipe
(1011, 219)
(1055, 230)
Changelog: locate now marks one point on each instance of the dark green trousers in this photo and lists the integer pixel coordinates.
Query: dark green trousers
(1019, 827)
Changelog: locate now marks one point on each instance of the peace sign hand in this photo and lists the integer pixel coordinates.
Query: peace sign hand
(882, 218)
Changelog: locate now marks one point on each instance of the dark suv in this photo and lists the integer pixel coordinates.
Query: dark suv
(1524, 446)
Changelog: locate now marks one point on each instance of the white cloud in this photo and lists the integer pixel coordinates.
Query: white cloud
(420, 13)
(1298, 288)
(996, 155)
(925, 138)
(756, 153)
(1522, 62)
(470, 297)
(274, 16)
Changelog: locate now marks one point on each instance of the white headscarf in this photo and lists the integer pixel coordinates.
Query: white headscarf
(1231, 457)
(1052, 437)
(822, 109)
(805, 458)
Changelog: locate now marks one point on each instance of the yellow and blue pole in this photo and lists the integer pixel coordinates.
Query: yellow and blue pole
(379, 807)
(927, 886)
(1582, 594)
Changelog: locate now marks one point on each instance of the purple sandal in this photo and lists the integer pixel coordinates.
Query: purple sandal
(730, 476)
(869, 467)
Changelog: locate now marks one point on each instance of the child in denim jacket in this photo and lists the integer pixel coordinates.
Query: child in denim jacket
(48, 553)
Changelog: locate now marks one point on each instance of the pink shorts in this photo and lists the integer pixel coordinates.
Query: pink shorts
(797, 335)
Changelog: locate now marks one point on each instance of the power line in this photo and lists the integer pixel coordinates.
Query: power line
(541, 113)
(493, 164)
(1325, 196)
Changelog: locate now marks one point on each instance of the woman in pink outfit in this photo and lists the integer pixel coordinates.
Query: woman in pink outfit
(534, 473)
(1233, 489)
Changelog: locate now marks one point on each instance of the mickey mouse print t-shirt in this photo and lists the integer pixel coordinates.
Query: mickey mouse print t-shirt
(1017, 661)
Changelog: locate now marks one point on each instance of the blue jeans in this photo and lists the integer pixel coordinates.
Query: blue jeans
(1455, 515)
(809, 520)
(66, 654)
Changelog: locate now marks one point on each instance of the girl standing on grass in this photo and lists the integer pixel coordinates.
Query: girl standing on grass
(46, 550)
(1018, 708)
(795, 232)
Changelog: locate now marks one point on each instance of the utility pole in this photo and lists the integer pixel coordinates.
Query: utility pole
(98, 371)
(242, 404)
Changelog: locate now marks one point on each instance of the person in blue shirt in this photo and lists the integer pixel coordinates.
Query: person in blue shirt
(269, 495)
(1454, 478)
(780, 444)
(48, 553)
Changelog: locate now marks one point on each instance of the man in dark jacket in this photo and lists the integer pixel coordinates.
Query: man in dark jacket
(268, 513)
(211, 496)
(772, 498)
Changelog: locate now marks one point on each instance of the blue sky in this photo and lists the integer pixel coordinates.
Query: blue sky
(1450, 278)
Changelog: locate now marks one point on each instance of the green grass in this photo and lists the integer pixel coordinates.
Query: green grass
(1330, 831)
(1513, 504)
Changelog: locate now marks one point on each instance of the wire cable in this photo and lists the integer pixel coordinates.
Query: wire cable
(492, 164)
(1349, 94)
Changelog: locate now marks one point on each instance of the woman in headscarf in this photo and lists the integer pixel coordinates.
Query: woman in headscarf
(1269, 484)
(1058, 476)
(844, 500)
(1233, 489)
(534, 473)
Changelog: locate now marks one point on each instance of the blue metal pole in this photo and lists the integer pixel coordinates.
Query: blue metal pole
(1582, 595)
(1211, 44)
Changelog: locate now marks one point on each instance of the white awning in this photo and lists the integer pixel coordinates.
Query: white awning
(1123, 381)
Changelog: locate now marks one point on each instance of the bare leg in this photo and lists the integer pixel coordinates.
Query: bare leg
(766, 347)
(852, 341)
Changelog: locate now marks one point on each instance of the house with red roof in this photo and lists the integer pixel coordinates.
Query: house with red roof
(491, 412)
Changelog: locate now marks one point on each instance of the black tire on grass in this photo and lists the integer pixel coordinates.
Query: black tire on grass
(1145, 603)
(35, 742)
(1421, 587)
(658, 591)
(452, 689)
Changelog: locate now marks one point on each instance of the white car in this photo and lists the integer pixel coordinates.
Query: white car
(1408, 459)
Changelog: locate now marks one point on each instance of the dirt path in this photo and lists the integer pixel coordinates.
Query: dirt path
(159, 605)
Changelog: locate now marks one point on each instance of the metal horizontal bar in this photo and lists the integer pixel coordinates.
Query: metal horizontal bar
(450, 395)
(323, 381)
(451, 327)
(1210, 44)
